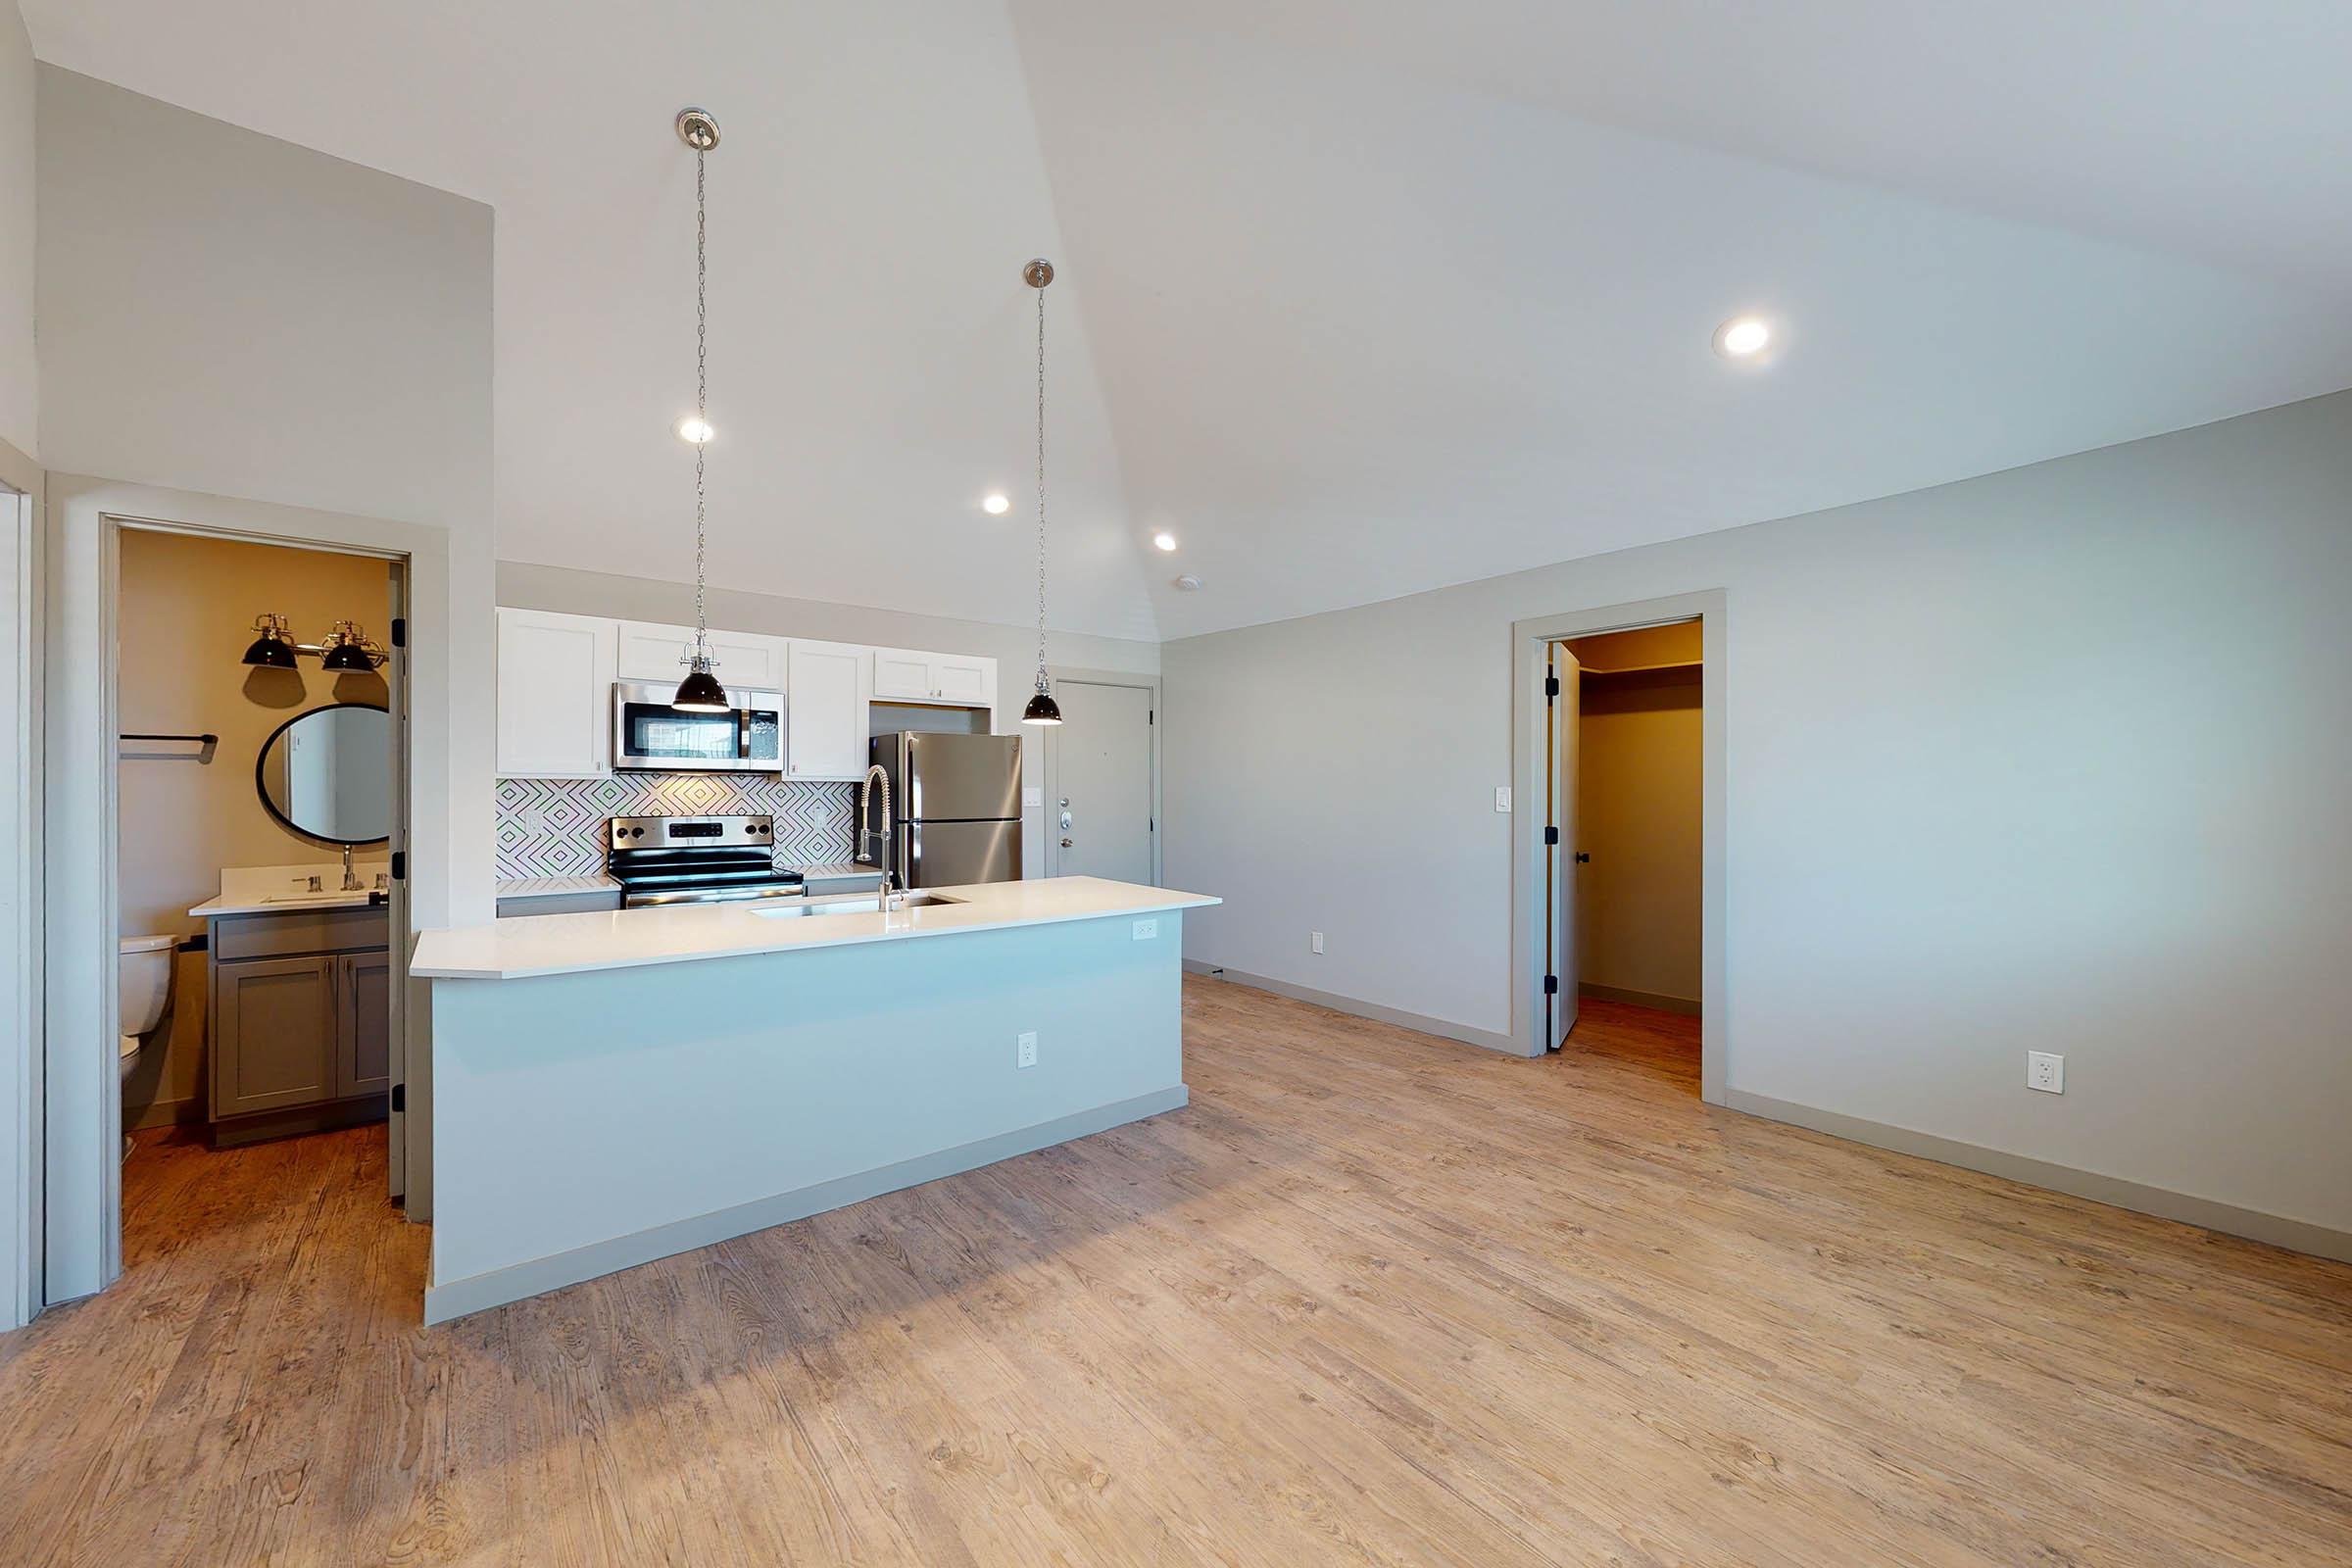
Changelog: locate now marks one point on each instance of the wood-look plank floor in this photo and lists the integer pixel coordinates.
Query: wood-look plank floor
(1372, 1297)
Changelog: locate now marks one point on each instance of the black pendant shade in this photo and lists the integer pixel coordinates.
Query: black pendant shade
(346, 658)
(1042, 709)
(271, 652)
(701, 693)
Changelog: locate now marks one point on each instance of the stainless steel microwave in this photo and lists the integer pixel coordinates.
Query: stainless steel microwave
(649, 736)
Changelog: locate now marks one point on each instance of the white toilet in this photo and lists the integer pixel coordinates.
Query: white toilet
(142, 985)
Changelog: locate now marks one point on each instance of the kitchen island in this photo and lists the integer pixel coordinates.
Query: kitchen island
(606, 1089)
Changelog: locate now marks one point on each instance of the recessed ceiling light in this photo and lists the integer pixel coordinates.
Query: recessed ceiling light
(995, 506)
(694, 429)
(1743, 337)
(1164, 540)
(1188, 583)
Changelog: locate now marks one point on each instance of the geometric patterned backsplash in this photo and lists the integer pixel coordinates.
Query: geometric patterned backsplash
(556, 826)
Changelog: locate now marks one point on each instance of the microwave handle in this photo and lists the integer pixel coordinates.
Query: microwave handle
(743, 734)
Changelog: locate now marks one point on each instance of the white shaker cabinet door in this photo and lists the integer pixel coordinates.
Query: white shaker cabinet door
(555, 695)
(827, 686)
(743, 660)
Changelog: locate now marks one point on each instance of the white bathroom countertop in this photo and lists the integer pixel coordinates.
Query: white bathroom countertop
(526, 946)
(553, 887)
(280, 904)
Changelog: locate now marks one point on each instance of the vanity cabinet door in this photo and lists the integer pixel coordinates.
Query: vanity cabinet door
(363, 1017)
(274, 1033)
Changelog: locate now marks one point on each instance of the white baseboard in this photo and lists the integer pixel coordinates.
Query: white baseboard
(1442, 1028)
(2296, 1235)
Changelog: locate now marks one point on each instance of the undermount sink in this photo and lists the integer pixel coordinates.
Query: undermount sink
(854, 906)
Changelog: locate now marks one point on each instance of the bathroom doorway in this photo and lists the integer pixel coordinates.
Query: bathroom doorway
(259, 694)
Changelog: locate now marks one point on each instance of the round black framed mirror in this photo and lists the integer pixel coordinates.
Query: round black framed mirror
(326, 774)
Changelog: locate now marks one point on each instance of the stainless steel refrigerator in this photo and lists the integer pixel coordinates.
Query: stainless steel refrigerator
(957, 801)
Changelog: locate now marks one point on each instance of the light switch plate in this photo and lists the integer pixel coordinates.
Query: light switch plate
(1314, 940)
(1502, 797)
(2046, 1071)
(1145, 930)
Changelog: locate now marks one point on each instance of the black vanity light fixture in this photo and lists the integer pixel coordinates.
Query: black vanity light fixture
(272, 649)
(345, 650)
(1042, 709)
(699, 692)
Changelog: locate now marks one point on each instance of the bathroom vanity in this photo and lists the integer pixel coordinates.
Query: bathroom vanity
(301, 1035)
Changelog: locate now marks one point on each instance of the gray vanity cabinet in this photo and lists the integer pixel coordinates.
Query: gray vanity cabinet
(364, 1023)
(301, 1021)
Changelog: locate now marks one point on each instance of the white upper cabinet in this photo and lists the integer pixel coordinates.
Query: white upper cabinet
(827, 687)
(743, 660)
(907, 675)
(555, 695)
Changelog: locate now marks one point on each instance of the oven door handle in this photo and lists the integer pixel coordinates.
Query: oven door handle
(647, 900)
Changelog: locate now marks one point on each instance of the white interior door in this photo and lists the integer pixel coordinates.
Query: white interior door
(1099, 816)
(1566, 724)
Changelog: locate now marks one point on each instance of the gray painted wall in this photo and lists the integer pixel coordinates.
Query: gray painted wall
(2051, 757)
(226, 313)
(20, 370)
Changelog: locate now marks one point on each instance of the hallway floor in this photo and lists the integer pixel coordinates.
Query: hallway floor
(1372, 1297)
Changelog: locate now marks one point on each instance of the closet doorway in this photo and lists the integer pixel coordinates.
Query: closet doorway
(1624, 836)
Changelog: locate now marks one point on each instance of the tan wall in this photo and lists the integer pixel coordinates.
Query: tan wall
(187, 606)
(1638, 814)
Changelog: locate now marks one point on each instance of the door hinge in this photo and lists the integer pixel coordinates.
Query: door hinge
(400, 1097)
(1552, 835)
(400, 866)
(1551, 985)
(400, 631)
(1551, 687)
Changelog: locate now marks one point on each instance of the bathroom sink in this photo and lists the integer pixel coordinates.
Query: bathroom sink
(865, 905)
(338, 897)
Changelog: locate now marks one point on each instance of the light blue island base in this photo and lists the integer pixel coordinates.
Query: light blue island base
(587, 1123)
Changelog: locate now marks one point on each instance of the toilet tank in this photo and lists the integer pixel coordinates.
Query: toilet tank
(143, 980)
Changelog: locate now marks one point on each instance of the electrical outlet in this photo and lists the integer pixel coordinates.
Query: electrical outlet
(1314, 940)
(1024, 1051)
(2046, 1072)
(1502, 799)
(1147, 930)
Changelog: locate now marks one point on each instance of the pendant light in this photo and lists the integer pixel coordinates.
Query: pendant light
(699, 692)
(1042, 709)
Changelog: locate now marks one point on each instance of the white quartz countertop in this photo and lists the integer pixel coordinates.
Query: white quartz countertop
(279, 903)
(553, 887)
(524, 946)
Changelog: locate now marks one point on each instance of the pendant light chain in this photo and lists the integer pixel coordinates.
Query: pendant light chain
(1041, 490)
(701, 399)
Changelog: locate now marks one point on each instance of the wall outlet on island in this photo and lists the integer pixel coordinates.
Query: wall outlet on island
(1147, 930)
(1024, 1049)
(2046, 1072)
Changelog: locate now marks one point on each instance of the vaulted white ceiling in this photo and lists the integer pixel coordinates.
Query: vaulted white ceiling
(1357, 298)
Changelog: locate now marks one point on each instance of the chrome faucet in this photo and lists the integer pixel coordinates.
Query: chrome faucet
(351, 878)
(890, 838)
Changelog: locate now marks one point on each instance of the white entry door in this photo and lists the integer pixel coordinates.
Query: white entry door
(1099, 818)
(1566, 720)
